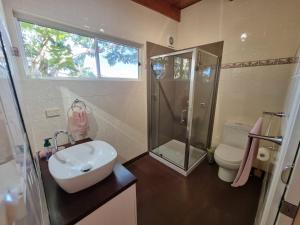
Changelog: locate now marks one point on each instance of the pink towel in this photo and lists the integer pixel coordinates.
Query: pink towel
(78, 123)
(249, 156)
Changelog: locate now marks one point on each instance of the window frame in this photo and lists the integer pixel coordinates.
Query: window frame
(20, 17)
(98, 60)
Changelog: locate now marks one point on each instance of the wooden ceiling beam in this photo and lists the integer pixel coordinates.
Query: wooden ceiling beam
(186, 3)
(161, 6)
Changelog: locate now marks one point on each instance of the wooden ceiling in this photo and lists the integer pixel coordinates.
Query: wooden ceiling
(181, 4)
(170, 8)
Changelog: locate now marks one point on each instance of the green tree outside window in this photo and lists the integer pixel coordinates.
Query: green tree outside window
(55, 53)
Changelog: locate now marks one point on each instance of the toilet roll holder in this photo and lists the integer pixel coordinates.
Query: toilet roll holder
(275, 139)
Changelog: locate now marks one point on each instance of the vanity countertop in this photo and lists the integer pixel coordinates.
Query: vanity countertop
(67, 209)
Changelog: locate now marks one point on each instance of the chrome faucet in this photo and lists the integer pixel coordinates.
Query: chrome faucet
(71, 139)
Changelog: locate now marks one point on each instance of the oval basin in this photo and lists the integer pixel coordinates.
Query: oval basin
(83, 165)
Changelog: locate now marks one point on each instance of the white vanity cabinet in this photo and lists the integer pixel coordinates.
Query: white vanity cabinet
(121, 210)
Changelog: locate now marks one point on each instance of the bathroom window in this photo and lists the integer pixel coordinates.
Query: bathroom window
(55, 53)
(182, 67)
(117, 60)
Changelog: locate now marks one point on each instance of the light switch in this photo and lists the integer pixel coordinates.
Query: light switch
(52, 112)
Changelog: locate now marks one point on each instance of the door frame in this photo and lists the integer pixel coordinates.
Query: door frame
(291, 193)
(287, 156)
(189, 124)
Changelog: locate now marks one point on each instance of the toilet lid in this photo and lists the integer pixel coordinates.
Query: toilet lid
(229, 153)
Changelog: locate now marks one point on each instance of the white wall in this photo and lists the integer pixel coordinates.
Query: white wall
(118, 107)
(273, 32)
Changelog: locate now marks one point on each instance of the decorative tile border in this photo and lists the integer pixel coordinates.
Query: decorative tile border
(263, 62)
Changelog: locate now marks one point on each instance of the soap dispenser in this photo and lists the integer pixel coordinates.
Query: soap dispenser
(47, 148)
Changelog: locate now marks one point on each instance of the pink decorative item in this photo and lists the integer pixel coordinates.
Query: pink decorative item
(43, 154)
(249, 156)
(78, 123)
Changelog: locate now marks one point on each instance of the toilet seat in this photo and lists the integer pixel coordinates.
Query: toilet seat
(229, 155)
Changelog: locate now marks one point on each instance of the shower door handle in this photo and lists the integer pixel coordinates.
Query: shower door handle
(183, 112)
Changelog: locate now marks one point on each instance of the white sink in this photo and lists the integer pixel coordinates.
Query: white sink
(81, 166)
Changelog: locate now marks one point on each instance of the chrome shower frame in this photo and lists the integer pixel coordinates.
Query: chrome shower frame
(194, 67)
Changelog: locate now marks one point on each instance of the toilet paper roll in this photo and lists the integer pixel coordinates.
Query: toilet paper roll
(263, 154)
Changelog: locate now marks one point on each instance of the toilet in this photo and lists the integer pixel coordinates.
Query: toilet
(230, 151)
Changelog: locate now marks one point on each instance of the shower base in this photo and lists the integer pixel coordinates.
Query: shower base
(172, 155)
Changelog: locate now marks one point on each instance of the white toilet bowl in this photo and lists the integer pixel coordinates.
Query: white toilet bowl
(229, 159)
(230, 152)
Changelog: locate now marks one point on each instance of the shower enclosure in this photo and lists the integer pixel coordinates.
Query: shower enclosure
(182, 92)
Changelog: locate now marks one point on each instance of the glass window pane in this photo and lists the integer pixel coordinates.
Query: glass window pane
(54, 53)
(182, 67)
(117, 60)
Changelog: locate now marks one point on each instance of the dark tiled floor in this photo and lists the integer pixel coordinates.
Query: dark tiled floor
(166, 198)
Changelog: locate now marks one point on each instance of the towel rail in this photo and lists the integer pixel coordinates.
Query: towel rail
(278, 114)
(275, 139)
(77, 102)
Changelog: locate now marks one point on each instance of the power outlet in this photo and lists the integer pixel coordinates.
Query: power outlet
(52, 112)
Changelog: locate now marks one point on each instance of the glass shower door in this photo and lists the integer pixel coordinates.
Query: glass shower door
(19, 177)
(203, 106)
(170, 91)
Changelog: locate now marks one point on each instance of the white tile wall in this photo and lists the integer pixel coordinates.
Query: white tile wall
(273, 31)
(116, 113)
(118, 108)
(245, 92)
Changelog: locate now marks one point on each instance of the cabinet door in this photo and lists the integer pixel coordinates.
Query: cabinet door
(121, 210)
